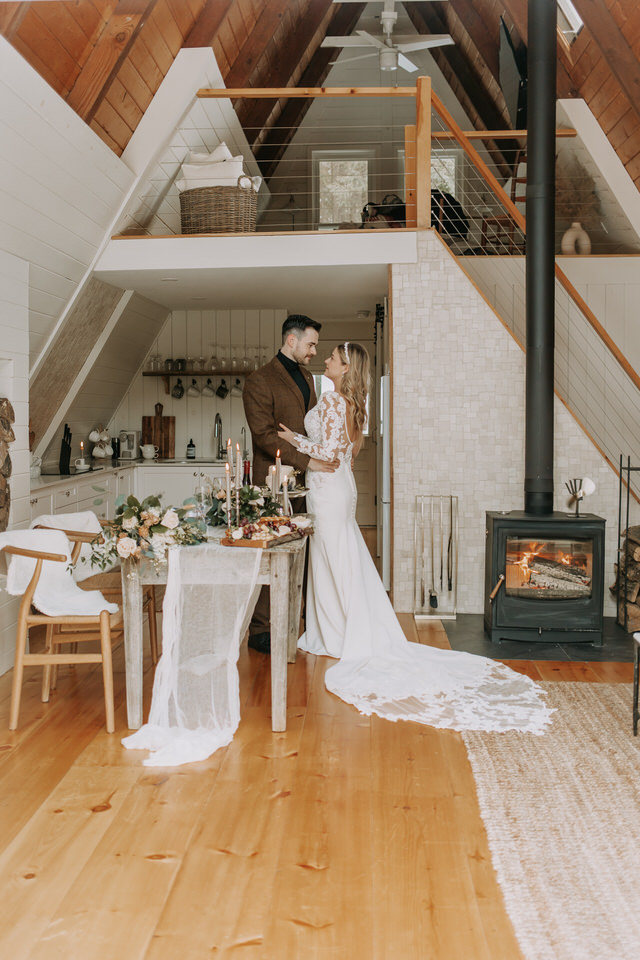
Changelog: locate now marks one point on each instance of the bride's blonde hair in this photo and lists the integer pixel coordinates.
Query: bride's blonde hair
(354, 385)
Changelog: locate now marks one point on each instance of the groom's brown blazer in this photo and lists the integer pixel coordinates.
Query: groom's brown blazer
(271, 397)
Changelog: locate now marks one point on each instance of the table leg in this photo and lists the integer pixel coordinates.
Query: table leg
(279, 582)
(132, 610)
(295, 601)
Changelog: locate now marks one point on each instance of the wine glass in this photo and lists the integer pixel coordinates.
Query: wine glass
(203, 497)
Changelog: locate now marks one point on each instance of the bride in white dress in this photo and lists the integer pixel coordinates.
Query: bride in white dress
(348, 613)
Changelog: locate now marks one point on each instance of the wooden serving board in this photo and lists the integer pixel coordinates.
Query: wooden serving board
(146, 435)
(262, 544)
(161, 431)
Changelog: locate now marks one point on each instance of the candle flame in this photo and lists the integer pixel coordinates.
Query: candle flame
(277, 454)
(226, 467)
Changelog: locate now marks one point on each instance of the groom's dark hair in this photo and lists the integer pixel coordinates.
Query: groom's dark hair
(297, 323)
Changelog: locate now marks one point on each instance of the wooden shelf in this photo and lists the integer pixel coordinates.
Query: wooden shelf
(183, 374)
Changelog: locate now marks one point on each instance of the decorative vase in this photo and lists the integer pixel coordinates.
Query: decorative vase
(575, 240)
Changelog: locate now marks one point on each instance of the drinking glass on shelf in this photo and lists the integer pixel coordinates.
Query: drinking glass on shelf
(201, 364)
(214, 363)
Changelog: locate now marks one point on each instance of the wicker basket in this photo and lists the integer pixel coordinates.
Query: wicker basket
(219, 209)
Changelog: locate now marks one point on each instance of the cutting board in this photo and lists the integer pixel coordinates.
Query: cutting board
(161, 431)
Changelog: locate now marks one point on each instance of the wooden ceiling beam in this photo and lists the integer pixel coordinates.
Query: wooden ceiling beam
(252, 49)
(485, 37)
(112, 47)
(208, 23)
(253, 115)
(517, 13)
(611, 42)
(276, 140)
(473, 92)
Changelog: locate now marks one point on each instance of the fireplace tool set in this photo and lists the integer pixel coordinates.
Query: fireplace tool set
(436, 556)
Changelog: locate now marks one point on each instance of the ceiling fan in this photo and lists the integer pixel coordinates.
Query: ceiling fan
(391, 55)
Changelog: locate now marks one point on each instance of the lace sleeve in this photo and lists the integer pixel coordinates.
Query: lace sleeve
(331, 407)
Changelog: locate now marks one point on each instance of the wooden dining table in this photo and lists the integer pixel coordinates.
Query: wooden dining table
(281, 567)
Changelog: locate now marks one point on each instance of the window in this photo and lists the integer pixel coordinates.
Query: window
(341, 186)
(446, 171)
(569, 21)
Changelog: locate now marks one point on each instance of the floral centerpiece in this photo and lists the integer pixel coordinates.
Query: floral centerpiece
(254, 503)
(145, 529)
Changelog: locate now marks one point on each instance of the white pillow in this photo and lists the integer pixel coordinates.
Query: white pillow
(227, 169)
(221, 152)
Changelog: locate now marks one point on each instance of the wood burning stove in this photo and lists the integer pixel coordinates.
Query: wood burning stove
(544, 577)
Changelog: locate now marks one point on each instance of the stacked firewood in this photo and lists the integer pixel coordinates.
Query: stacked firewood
(629, 572)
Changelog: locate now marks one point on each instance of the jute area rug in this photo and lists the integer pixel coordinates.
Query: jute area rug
(562, 813)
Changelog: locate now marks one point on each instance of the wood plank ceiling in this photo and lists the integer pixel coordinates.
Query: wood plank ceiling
(107, 58)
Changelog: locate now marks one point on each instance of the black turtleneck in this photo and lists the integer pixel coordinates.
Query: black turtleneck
(294, 370)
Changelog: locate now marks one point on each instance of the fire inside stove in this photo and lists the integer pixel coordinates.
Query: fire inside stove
(549, 569)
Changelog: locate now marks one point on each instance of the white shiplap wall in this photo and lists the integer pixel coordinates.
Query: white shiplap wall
(60, 187)
(194, 333)
(14, 384)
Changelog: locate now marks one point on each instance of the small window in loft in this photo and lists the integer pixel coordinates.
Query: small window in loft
(341, 187)
(569, 21)
(444, 172)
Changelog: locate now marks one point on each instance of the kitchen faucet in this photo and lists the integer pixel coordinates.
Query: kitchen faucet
(217, 435)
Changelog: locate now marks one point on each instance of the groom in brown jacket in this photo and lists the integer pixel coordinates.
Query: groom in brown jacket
(280, 392)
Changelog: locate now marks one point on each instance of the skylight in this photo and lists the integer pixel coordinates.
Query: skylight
(569, 20)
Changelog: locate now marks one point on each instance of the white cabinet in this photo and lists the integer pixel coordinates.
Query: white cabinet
(97, 495)
(124, 482)
(40, 504)
(172, 484)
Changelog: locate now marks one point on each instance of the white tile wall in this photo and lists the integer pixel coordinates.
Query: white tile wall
(458, 420)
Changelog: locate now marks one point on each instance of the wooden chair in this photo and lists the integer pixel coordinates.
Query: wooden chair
(500, 230)
(110, 585)
(70, 629)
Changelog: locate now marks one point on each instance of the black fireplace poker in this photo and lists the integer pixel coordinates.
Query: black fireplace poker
(540, 257)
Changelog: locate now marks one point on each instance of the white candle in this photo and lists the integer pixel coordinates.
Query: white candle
(229, 454)
(271, 480)
(278, 471)
(238, 467)
(227, 470)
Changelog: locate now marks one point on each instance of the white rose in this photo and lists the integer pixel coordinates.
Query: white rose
(258, 502)
(126, 547)
(159, 545)
(171, 519)
(130, 523)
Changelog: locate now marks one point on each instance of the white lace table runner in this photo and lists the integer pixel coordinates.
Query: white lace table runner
(195, 709)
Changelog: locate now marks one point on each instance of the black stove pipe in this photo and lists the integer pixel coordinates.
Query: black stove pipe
(540, 257)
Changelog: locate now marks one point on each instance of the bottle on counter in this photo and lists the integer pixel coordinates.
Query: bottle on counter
(191, 450)
(246, 473)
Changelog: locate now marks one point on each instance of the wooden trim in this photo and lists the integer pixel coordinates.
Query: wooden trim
(423, 153)
(499, 134)
(410, 175)
(280, 93)
(390, 426)
(478, 162)
(597, 326)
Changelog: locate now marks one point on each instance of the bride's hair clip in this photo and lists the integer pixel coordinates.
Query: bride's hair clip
(346, 350)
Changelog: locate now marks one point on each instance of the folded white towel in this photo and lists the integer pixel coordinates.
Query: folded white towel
(57, 593)
(85, 521)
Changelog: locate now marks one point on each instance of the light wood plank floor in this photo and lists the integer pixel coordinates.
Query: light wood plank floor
(344, 838)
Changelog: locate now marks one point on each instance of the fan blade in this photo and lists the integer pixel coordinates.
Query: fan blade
(374, 41)
(437, 40)
(344, 42)
(406, 64)
(363, 56)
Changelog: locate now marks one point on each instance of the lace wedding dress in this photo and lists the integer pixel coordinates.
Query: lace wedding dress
(350, 617)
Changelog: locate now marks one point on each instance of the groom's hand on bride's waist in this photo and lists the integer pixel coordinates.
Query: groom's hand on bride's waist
(323, 466)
